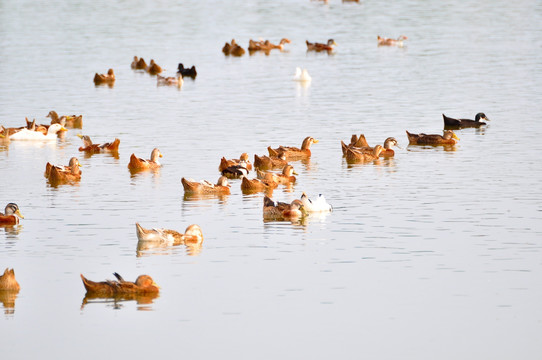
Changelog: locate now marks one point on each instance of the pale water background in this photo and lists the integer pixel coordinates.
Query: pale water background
(432, 254)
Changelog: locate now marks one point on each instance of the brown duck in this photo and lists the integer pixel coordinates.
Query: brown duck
(270, 162)
(205, 187)
(60, 174)
(108, 78)
(8, 282)
(293, 153)
(143, 285)
(449, 138)
(89, 147)
(225, 163)
(139, 164)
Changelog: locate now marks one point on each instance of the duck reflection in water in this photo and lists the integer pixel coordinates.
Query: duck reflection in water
(143, 301)
(148, 239)
(9, 288)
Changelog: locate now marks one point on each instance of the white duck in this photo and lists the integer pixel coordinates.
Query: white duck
(192, 234)
(318, 205)
(25, 134)
(301, 75)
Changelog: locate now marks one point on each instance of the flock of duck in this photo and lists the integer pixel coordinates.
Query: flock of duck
(271, 170)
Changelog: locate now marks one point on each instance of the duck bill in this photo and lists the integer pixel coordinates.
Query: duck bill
(315, 141)
(455, 136)
(155, 284)
(18, 213)
(80, 136)
(293, 172)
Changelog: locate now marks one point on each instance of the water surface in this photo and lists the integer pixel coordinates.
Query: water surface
(430, 254)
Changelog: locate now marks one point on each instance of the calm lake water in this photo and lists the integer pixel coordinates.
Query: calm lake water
(432, 254)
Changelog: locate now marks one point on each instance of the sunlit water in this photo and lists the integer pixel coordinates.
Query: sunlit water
(432, 254)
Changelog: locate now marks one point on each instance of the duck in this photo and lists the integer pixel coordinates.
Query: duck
(11, 215)
(72, 121)
(390, 42)
(321, 47)
(59, 174)
(187, 72)
(465, 123)
(48, 167)
(144, 284)
(134, 63)
(108, 78)
(139, 64)
(170, 80)
(154, 68)
(233, 49)
(237, 51)
(256, 185)
(270, 162)
(255, 45)
(449, 138)
(8, 281)
(89, 147)
(386, 152)
(236, 171)
(30, 135)
(281, 210)
(205, 187)
(280, 45)
(293, 153)
(302, 75)
(352, 155)
(192, 234)
(285, 178)
(225, 163)
(355, 142)
(318, 205)
(267, 45)
(138, 164)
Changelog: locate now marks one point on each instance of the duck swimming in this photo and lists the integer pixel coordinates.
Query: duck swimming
(293, 153)
(449, 138)
(187, 72)
(321, 47)
(8, 281)
(139, 164)
(73, 121)
(205, 187)
(170, 80)
(390, 42)
(61, 174)
(11, 215)
(154, 68)
(144, 284)
(464, 123)
(301, 75)
(108, 78)
(89, 147)
(30, 135)
(285, 178)
(192, 234)
(270, 162)
(315, 205)
(236, 171)
(256, 185)
(282, 211)
(353, 155)
(225, 163)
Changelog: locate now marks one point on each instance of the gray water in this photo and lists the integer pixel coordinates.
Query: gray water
(432, 254)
